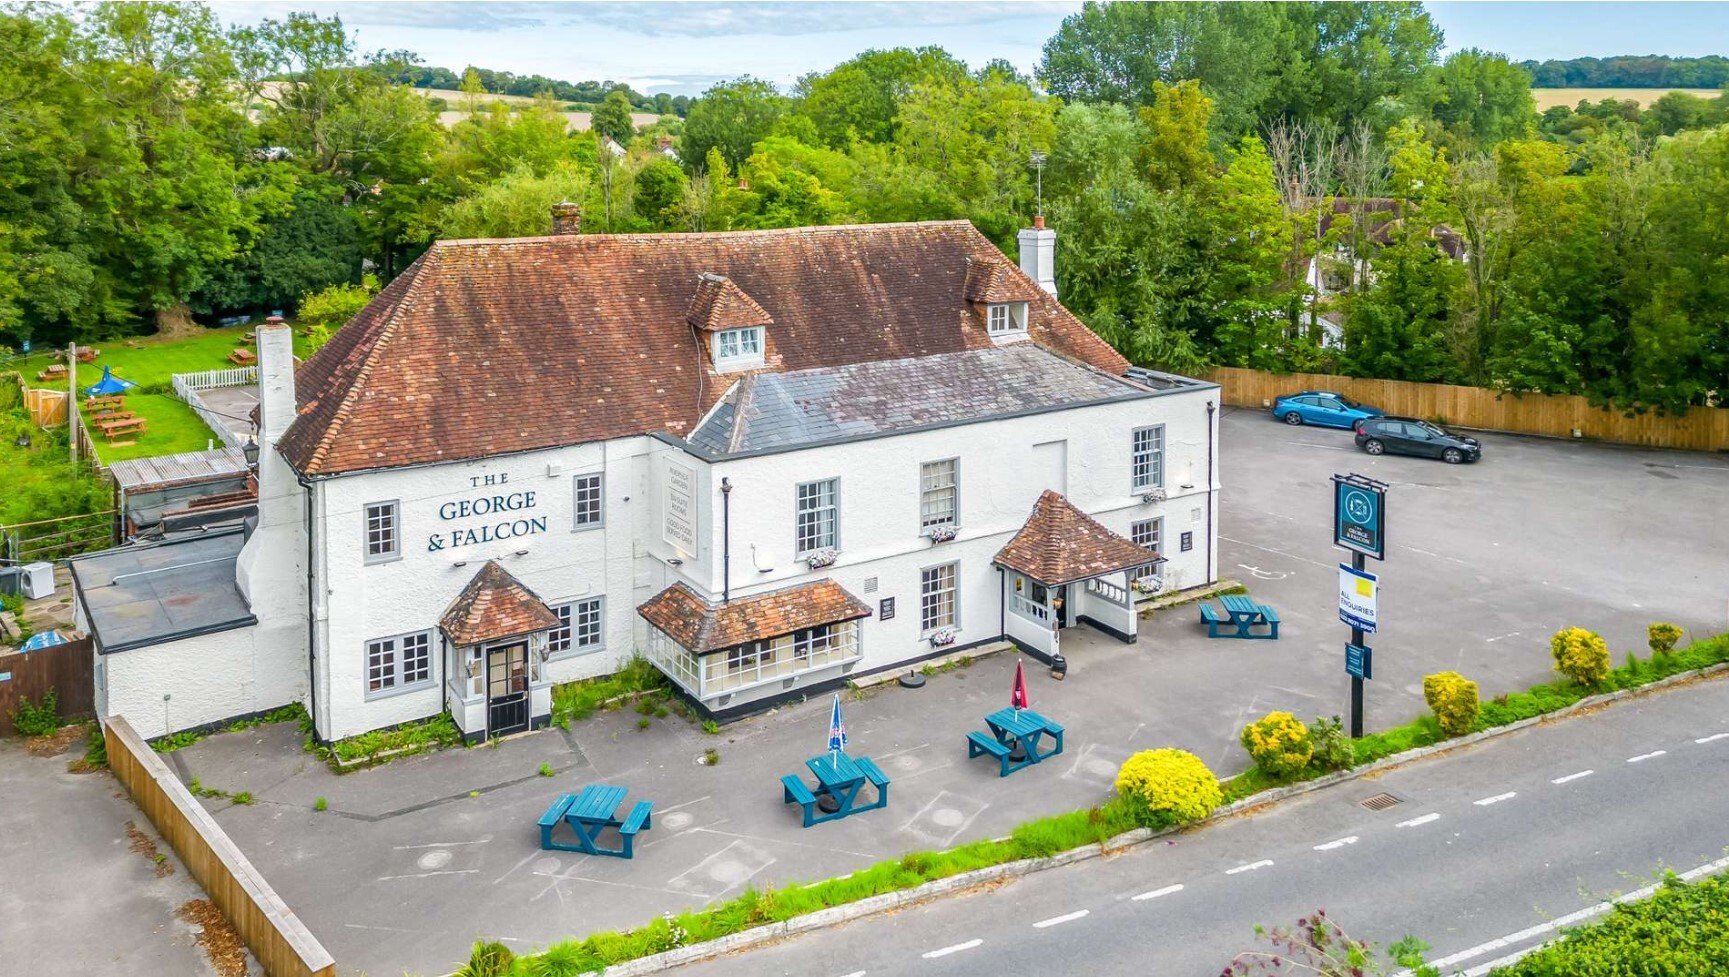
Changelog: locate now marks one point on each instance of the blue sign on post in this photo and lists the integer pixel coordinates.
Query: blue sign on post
(1359, 515)
(1359, 661)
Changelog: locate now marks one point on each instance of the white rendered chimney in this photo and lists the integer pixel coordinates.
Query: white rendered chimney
(271, 570)
(276, 405)
(1039, 254)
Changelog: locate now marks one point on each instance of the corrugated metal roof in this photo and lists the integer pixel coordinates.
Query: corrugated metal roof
(767, 411)
(191, 466)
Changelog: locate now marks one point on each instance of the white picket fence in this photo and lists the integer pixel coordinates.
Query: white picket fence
(187, 385)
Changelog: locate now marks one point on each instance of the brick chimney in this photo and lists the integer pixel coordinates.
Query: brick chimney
(1039, 254)
(566, 219)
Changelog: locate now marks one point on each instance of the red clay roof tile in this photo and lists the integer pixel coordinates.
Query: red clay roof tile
(703, 627)
(1061, 544)
(494, 605)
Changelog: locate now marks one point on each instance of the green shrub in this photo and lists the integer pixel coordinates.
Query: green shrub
(1279, 743)
(579, 700)
(1662, 637)
(95, 748)
(1453, 697)
(40, 719)
(427, 734)
(487, 959)
(1167, 787)
(1581, 655)
(1683, 928)
(1332, 747)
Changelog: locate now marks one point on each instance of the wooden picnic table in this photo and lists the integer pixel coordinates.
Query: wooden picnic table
(111, 414)
(1244, 614)
(55, 371)
(104, 403)
(133, 425)
(840, 779)
(591, 812)
(1016, 739)
(242, 357)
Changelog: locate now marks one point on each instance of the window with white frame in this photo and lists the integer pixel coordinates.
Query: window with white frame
(588, 501)
(399, 663)
(1006, 318)
(816, 640)
(818, 522)
(937, 494)
(937, 597)
(738, 348)
(1149, 458)
(581, 629)
(749, 655)
(1146, 533)
(383, 536)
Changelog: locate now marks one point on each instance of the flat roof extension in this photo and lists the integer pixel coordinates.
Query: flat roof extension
(141, 595)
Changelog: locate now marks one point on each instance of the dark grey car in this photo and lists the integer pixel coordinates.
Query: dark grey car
(1410, 436)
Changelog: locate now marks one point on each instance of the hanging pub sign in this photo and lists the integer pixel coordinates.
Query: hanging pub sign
(1360, 515)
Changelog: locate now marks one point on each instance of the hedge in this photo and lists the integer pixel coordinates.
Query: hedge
(1682, 929)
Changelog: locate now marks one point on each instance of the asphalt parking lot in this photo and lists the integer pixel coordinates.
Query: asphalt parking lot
(416, 859)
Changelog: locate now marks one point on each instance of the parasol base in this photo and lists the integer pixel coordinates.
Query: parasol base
(827, 803)
(912, 680)
(1017, 753)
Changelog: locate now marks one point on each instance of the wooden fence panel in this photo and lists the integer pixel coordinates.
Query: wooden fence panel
(67, 669)
(1700, 429)
(47, 407)
(274, 934)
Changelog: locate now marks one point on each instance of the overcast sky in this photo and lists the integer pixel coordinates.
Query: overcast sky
(684, 47)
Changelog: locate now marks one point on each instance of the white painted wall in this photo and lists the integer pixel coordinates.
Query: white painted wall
(205, 679)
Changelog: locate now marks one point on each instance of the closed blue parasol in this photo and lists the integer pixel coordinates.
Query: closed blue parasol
(836, 730)
(43, 639)
(109, 385)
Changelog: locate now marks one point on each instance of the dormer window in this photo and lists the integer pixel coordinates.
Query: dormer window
(1005, 319)
(738, 349)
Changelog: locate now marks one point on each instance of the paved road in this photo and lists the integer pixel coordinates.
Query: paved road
(1512, 834)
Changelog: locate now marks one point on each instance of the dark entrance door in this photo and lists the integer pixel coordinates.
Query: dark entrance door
(507, 689)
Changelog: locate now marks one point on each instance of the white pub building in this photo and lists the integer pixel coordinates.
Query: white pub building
(768, 461)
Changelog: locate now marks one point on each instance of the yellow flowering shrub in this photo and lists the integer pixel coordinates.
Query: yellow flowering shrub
(1662, 637)
(1168, 787)
(1580, 655)
(1454, 699)
(1279, 744)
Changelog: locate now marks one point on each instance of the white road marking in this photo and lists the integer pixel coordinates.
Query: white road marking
(1425, 819)
(1059, 920)
(958, 947)
(856, 973)
(1263, 863)
(442, 844)
(1646, 756)
(1342, 842)
(1572, 776)
(1712, 738)
(1167, 890)
(427, 875)
(1329, 447)
(1446, 963)
(1498, 798)
(1503, 637)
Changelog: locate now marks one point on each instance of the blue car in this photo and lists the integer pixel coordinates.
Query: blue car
(1323, 408)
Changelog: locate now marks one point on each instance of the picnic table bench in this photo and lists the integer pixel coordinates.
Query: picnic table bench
(1015, 739)
(1243, 614)
(55, 371)
(113, 402)
(840, 779)
(111, 414)
(589, 813)
(242, 357)
(133, 425)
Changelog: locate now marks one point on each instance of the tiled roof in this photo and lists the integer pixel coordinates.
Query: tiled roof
(494, 605)
(719, 304)
(493, 346)
(784, 410)
(993, 279)
(703, 627)
(1061, 544)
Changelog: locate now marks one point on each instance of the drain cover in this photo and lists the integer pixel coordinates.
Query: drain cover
(1380, 802)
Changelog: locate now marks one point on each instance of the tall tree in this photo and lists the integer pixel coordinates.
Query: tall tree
(1483, 99)
(860, 98)
(732, 117)
(611, 118)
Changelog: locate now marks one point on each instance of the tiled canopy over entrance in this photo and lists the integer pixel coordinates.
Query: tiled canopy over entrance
(494, 605)
(702, 628)
(1060, 544)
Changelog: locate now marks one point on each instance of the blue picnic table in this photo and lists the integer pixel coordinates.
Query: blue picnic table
(1015, 740)
(591, 812)
(839, 779)
(1242, 613)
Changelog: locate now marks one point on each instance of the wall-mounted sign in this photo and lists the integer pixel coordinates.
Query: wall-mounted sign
(508, 512)
(1186, 542)
(1359, 661)
(1358, 591)
(1359, 515)
(679, 512)
(886, 609)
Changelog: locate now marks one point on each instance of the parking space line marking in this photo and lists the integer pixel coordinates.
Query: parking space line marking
(1263, 863)
(958, 947)
(1425, 819)
(1572, 776)
(1059, 920)
(1167, 890)
(1712, 738)
(856, 973)
(1342, 842)
(428, 875)
(1646, 756)
(1498, 798)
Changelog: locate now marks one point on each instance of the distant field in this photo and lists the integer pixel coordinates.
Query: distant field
(1548, 98)
(573, 121)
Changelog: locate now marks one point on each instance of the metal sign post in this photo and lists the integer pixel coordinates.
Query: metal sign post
(1359, 525)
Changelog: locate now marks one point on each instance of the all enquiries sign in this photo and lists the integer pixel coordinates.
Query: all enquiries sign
(1358, 593)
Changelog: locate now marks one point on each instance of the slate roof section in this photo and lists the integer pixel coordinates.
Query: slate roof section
(706, 628)
(1061, 544)
(494, 605)
(719, 304)
(491, 346)
(770, 411)
(993, 279)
